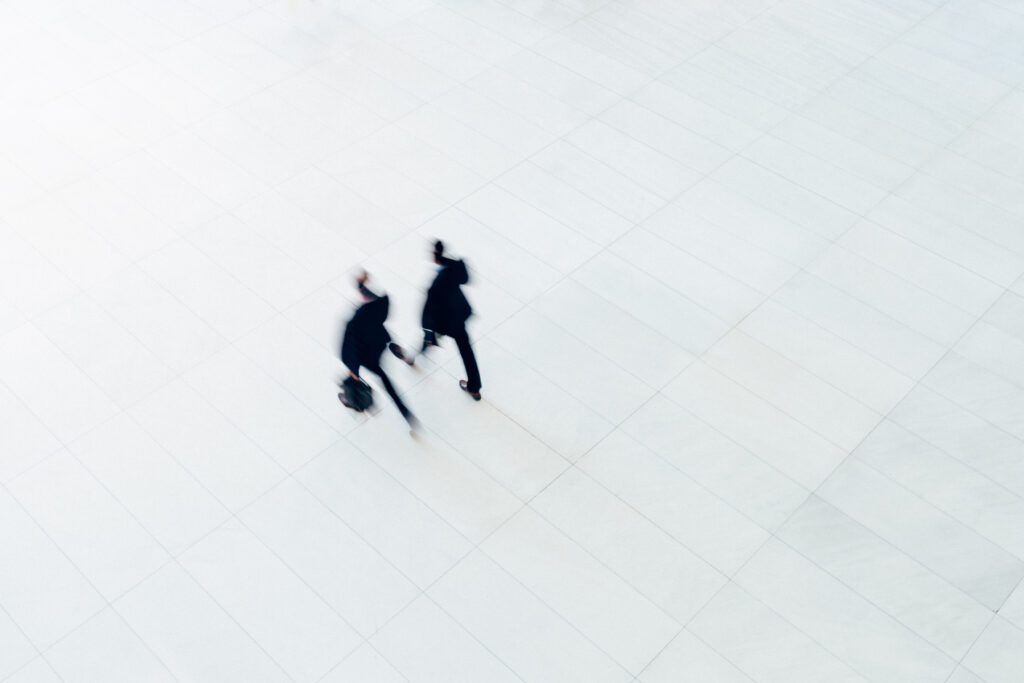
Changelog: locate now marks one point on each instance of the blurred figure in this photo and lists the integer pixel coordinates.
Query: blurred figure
(446, 312)
(365, 340)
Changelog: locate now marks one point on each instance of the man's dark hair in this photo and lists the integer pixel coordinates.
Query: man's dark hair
(438, 248)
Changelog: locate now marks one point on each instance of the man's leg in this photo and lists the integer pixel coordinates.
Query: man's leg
(468, 360)
(388, 387)
(408, 357)
(429, 339)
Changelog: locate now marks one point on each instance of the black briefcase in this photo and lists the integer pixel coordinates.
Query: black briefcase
(356, 394)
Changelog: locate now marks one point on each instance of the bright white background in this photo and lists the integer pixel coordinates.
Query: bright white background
(751, 328)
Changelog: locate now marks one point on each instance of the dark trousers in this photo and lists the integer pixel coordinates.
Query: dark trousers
(390, 388)
(461, 338)
(465, 346)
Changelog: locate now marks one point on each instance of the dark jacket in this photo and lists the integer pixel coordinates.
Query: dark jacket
(446, 309)
(365, 335)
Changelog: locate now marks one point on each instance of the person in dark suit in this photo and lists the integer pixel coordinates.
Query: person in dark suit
(446, 312)
(365, 340)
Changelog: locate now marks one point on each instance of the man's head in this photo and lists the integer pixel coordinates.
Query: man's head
(438, 252)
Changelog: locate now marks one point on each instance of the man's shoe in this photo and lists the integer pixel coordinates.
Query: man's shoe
(399, 353)
(465, 387)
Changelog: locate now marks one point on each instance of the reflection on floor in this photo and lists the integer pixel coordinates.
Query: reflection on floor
(748, 276)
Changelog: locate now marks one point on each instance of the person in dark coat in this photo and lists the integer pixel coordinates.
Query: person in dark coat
(365, 340)
(446, 312)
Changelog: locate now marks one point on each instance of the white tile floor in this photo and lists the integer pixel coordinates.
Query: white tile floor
(749, 277)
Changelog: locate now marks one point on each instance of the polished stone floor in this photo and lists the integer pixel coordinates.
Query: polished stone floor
(750, 316)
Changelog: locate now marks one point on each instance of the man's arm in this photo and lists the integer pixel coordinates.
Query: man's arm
(367, 293)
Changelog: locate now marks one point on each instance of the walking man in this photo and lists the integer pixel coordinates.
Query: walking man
(446, 312)
(365, 340)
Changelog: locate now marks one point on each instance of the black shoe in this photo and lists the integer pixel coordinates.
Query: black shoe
(399, 353)
(464, 385)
